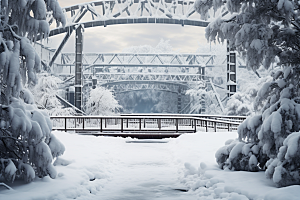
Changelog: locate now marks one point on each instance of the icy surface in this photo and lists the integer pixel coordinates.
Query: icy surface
(124, 168)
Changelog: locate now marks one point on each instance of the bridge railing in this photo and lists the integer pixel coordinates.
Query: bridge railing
(140, 124)
(229, 118)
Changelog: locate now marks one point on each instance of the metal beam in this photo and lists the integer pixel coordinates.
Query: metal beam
(231, 70)
(216, 95)
(67, 36)
(155, 59)
(114, 12)
(61, 46)
(78, 67)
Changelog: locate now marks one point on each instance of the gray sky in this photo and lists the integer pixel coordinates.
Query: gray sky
(114, 38)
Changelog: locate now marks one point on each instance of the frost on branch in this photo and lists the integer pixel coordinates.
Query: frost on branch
(26, 132)
(101, 102)
(203, 6)
(239, 104)
(283, 169)
(20, 15)
(259, 30)
(239, 156)
(45, 94)
(27, 146)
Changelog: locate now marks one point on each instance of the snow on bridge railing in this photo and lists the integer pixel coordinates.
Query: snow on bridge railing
(141, 123)
(230, 118)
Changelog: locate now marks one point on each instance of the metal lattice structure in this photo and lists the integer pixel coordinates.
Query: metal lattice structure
(116, 77)
(137, 59)
(109, 67)
(112, 12)
(125, 72)
(133, 63)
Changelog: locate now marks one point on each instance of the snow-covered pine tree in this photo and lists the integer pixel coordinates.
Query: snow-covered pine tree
(27, 146)
(261, 31)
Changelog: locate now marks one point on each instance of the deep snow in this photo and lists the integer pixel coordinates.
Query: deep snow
(125, 168)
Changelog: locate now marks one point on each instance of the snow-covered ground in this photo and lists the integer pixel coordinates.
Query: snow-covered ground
(123, 168)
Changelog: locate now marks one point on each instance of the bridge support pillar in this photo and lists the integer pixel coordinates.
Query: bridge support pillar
(179, 99)
(201, 70)
(231, 71)
(203, 104)
(78, 66)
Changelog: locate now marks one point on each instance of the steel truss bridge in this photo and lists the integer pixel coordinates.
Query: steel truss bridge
(132, 62)
(125, 72)
(167, 67)
(137, 67)
(113, 12)
(131, 59)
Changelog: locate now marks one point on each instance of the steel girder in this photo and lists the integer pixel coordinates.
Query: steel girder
(111, 77)
(94, 60)
(126, 86)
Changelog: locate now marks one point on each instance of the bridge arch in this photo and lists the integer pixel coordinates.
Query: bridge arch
(111, 12)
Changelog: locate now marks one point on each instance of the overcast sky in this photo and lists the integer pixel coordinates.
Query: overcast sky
(114, 38)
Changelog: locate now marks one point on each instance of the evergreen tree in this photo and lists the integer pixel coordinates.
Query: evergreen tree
(262, 31)
(27, 146)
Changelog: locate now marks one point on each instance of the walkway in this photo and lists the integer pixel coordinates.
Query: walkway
(145, 171)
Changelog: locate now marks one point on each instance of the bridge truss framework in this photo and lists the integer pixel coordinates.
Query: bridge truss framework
(111, 12)
(126, 72)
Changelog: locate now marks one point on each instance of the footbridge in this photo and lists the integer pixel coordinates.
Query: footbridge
(145, 126)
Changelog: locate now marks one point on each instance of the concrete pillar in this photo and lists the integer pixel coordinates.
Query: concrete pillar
(231, 71)
(78, 66)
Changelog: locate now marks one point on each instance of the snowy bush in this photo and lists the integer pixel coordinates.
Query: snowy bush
(199, 94)
(242, 102)
(270, 131)
(27, 146)
(239, 104)
(45, 93)
(262, 30)
(101, 102)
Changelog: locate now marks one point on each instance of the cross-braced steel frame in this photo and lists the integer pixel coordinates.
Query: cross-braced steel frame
(111, 12)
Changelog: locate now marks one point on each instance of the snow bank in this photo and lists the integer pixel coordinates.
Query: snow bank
(90, 163)
(82, 171)
(191, 151)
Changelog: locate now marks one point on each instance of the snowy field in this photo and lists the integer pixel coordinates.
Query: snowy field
(129, 169)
